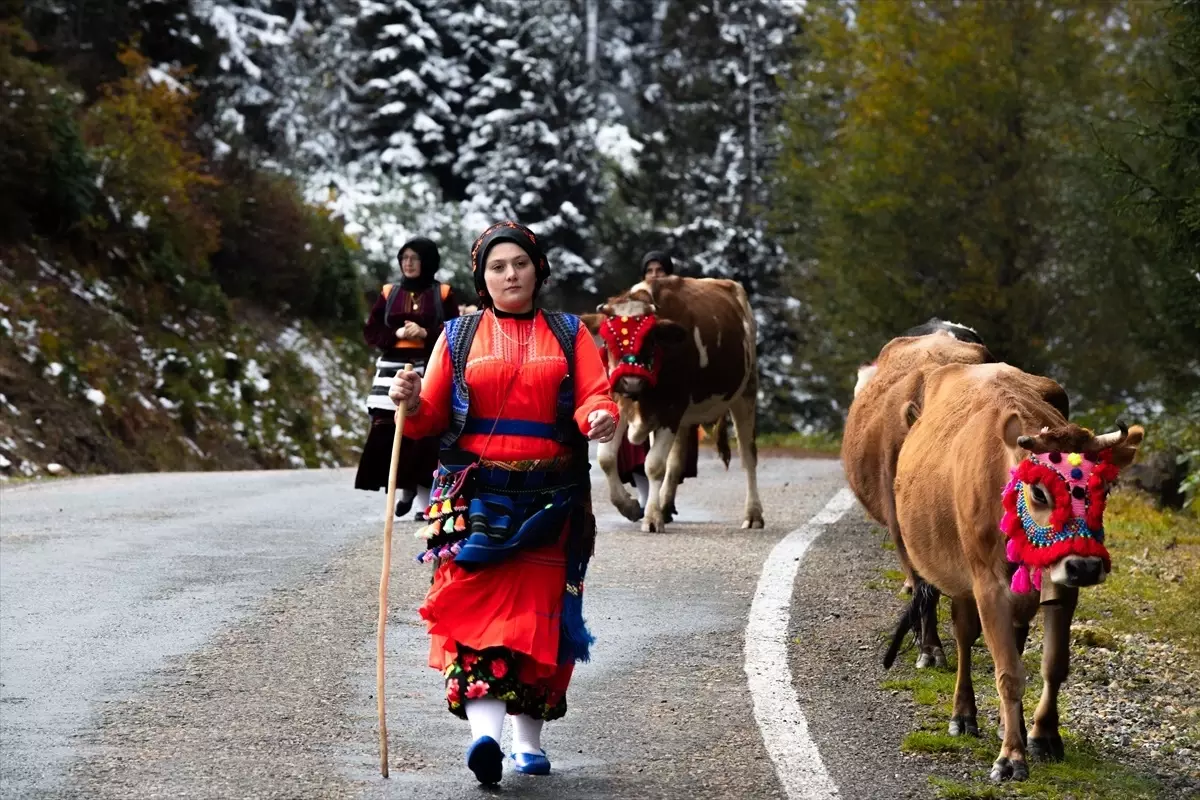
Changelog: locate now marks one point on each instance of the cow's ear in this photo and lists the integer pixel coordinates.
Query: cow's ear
(592, 322)
(669, 333)
(1011, 431)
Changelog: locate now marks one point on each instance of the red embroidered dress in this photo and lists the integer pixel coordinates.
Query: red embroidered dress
(495, 631)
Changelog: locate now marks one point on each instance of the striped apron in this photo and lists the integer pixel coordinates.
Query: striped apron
(386, 367)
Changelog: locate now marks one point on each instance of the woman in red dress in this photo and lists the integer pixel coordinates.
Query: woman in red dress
(515, 393)
(631, 458)
(403, 325)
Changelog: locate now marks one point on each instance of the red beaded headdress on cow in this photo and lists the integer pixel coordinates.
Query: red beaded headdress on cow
(625, 337)
(1078, 484)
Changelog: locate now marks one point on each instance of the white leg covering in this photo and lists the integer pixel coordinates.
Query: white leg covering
(527, 734)
(486, 716)
(642, 483)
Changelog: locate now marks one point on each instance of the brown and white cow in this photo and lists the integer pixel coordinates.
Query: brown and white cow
(1001, 504)
(682, 352)
(876, 425)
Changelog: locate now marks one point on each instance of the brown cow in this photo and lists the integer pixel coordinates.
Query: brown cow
(998, 495)
(682, 352)
(875, 429)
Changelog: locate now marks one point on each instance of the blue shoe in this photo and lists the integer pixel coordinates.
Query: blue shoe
(486, 760)
(532, 763)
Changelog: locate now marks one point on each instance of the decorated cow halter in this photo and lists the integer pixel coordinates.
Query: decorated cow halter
(1078, 484)
(624, 337)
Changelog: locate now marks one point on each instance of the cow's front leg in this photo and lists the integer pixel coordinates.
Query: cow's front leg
(743, 413)
(674, 475)
(1045, 740)
(606, 454)
(994, 602)
(656, 469)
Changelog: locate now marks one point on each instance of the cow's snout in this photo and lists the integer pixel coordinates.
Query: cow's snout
(630, 385)
(1079, 571)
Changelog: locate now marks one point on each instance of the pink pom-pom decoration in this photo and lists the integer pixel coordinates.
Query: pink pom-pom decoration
(1020, 581)
(1012, 552)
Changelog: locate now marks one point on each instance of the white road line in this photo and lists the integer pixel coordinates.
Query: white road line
(776, 707)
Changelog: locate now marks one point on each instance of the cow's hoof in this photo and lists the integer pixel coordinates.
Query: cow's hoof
(1009, 770)
(964, 726)
(939, 659)
(753, 522)
(669, 513)
(925, 661)
(653, 524)
(908, 586)
(1047, 748)
(630, 509)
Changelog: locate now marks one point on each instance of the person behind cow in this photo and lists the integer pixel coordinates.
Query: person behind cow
(631, 458)
(403, 324)
(517, 393)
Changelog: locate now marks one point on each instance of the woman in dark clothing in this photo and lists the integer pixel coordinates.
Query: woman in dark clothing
(631, 458)
(404, 323)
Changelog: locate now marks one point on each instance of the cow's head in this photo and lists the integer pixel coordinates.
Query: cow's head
(635, 338)
(1054, 503)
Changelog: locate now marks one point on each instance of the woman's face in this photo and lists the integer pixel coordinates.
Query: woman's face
(654, 270)
(511, 277)
(410, 264)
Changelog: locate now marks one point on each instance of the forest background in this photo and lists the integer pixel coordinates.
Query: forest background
(199, 199)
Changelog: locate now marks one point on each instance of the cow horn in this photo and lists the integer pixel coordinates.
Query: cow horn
(1027, 443)
(1112, 439)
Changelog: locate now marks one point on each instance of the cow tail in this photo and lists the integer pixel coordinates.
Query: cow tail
(722, 433)
(924, 596)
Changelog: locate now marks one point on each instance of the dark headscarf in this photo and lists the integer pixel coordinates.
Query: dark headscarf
(662, 258)
(518, 234)
(431, 260)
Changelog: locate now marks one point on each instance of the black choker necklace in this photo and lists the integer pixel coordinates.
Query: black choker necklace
(530, 314)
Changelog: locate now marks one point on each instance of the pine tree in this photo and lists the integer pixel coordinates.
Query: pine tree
(282, 87)
(938, 179)
(709, 123)
(1157, 165)
(411, 100)
(529, 153)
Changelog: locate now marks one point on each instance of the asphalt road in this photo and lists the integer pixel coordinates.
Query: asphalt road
(213, 636)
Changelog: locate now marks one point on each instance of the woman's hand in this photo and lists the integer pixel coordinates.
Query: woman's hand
(410, 332)
(406, 389)
(601, 426)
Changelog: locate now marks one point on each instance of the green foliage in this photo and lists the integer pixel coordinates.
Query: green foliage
(153, 176)
(1155, 160)
(941, 159)
(47, 183)
(281, 252)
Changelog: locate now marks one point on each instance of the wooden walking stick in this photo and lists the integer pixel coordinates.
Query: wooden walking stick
(401, 414)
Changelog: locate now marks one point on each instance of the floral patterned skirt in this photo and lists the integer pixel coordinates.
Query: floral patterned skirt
(499, 673)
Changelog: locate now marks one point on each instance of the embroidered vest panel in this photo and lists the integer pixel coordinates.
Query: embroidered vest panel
(460, 334)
